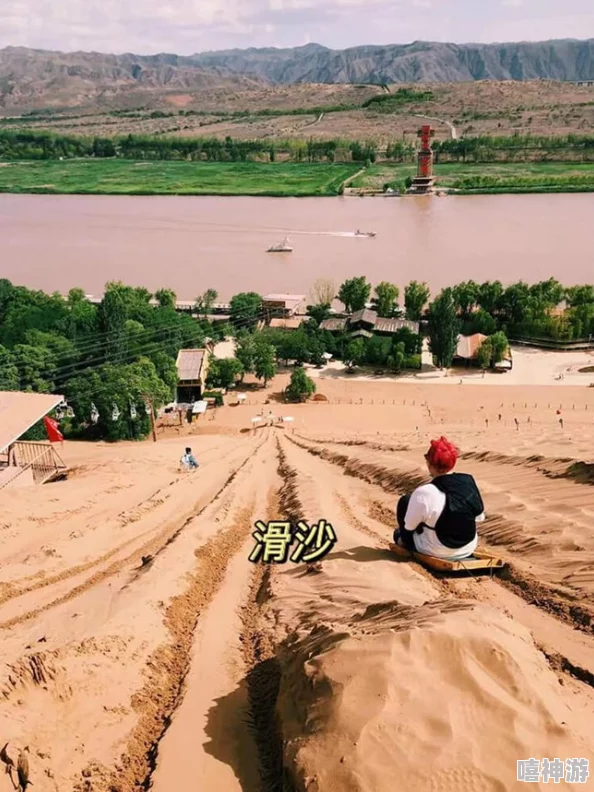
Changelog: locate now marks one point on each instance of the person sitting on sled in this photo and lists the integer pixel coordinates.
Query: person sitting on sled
(439, 519)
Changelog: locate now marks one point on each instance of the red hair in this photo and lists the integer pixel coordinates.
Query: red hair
(442, 455)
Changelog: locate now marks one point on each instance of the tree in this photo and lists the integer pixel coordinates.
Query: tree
(465, 296)
(485, 354)
(378, 350)
(166, 298)
(264, 361)
(83, 316)
(224, 372)
(397, 357)
(415, 298)
(205, 302)
(36, 367)
(290, 344)
(301, 387)
(479, 322)
(514, 303)
(355, 352)
(492, 351)
(386, 296)
(323, 291)
(9, 373)
(547, 294)
(499, 347)
(354, 293)
(580, 295)
(122, 387)
(444, 328)
(246, 310)
(114, 315)
(245, 352)
(166, 370)
(489, 296)
(319, 312)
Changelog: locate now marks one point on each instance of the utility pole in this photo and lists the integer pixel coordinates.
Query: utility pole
(153, 423)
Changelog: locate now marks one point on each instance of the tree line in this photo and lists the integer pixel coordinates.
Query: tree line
(40, 145)
(108, 359)
(115, 361)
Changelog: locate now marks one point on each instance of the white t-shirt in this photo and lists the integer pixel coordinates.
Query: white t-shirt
(425, 506)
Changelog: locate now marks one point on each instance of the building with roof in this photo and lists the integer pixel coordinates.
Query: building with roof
(289, 323)
(192, 371)
(468, 346)
(283, 305)
(335, 324)
(467, 350)
(24, 462)
(366, 323)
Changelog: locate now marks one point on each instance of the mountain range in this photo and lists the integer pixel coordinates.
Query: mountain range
(421, 61)
(36, 78)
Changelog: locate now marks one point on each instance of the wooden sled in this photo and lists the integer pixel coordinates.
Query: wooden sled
(477, 562)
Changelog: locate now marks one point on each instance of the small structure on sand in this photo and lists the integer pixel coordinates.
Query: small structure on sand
(192, 370)
(467, 351)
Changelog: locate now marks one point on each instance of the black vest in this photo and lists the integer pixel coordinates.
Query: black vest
(456, 526)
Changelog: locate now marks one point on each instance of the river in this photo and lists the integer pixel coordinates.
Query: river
(191, 244)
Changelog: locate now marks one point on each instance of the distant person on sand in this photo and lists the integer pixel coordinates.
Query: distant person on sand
(439, 519)
(188, 460)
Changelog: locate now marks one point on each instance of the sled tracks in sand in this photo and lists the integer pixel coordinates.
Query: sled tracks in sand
(496, 531)
(541, 597)
(168, 669)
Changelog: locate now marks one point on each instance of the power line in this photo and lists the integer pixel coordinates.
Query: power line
(71, 370)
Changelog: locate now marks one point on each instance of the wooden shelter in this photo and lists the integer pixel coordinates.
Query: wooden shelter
(21, 461)
(192, 371)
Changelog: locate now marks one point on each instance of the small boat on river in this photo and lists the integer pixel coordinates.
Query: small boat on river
(364, 233)
(282, 247)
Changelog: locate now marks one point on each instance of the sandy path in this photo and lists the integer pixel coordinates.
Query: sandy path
(101, 642)
(209, 744)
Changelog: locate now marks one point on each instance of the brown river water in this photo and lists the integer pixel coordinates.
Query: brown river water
(191, 244)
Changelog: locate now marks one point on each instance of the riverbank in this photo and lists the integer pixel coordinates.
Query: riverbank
(471, 178)
(282, 179)
(128, 177)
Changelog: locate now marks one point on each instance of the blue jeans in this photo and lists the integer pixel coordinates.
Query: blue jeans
(192, 462)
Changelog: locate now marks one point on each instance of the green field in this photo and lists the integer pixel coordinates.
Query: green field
(126, 177)
(472, 178)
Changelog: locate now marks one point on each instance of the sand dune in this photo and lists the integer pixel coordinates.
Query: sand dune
(139, 644)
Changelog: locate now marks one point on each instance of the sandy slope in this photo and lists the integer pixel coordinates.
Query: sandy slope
(116, 671)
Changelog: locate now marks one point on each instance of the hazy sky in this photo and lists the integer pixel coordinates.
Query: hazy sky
(188, 26)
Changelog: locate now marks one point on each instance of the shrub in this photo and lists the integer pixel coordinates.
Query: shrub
(216, 395)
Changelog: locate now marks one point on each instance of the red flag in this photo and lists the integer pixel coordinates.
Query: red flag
(54, 435)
